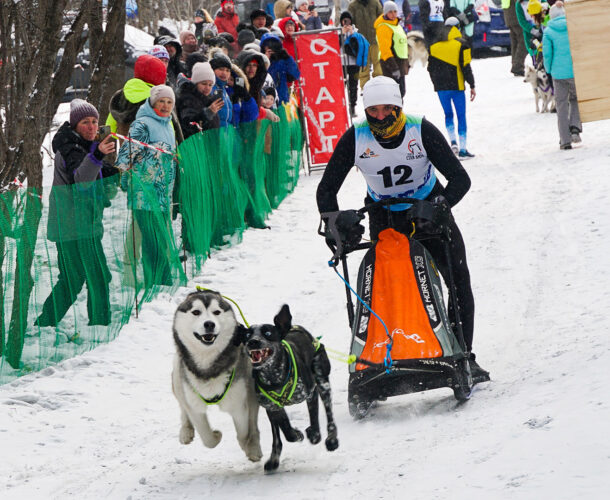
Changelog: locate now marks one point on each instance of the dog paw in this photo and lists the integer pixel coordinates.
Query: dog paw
(187, 433)
(294, 436)
(254, 453)
(313, 435)
(271, 465)
(332, 443)
(212, 440)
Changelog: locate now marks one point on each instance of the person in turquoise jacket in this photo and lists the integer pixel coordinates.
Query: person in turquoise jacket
(149, 179)
(467, 15)
(558, 64)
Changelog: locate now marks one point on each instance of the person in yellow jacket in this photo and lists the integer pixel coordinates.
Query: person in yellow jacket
(449, 68)
(393, 46)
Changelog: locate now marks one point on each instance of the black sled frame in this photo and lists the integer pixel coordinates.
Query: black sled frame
(406, 376)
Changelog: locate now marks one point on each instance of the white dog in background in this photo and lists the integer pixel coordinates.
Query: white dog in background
(542, 88)
(417, 48)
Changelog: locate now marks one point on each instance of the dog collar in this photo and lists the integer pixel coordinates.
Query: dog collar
(219, 397)
(282, 398)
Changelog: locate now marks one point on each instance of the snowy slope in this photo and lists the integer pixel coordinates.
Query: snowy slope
(536, 225)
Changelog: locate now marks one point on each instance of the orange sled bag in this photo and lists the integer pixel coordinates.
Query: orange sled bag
(399, 281)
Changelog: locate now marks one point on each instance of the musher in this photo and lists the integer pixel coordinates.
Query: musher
(398, 155)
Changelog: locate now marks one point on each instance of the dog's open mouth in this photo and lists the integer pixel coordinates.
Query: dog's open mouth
(259, 355)
(206, 338)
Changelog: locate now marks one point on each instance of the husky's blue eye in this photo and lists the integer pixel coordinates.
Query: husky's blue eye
(267, 333)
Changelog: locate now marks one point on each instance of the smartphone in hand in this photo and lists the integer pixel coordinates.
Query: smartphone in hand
(102, 133)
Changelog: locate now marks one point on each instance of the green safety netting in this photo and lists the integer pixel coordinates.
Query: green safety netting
(231, 178)
(77, 260)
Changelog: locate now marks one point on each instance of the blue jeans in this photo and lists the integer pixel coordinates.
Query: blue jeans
(458, 98)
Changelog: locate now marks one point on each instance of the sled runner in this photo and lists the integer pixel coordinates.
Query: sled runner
(402, 338)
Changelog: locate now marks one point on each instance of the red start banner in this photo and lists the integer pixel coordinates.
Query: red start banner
(324, 105)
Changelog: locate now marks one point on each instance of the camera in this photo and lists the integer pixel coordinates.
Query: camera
(311, 7)
(217, 94)
(240, 81)
(102, 133)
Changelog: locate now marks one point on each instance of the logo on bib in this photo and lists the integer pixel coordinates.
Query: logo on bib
(415, 150)
(368, 154)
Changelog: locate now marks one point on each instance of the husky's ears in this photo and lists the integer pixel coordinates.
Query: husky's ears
(240, 336)
(283, 320)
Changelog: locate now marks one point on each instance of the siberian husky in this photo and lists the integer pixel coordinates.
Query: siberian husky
(417, 48)
(542, 88)
(211, 367)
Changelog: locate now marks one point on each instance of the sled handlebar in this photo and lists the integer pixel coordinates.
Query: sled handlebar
(434, 215)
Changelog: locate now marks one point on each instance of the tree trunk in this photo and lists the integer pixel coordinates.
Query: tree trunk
(107, 74)
(31, 91)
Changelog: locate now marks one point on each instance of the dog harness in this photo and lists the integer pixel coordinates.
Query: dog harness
(219, 397)
(282, 397)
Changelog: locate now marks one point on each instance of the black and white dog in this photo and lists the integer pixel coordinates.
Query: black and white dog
(290, 366)
(542, 88)
(211, 368)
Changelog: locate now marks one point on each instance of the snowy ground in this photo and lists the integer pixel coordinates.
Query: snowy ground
(105, 424)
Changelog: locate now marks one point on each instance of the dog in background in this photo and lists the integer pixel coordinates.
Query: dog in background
(289, 367)
(542, 88)
(211, 367)
(417, 48)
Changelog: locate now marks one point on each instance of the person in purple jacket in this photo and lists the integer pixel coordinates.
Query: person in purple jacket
(76, 204)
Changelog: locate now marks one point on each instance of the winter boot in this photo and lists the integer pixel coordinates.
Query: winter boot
(478, 374)
(464, 154)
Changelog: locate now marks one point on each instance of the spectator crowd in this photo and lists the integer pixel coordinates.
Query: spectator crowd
(228, 71)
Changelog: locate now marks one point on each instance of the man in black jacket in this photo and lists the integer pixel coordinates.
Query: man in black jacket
(398, 155)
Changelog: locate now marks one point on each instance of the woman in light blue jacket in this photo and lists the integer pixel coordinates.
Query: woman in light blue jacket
(558, 64)
(150, 181)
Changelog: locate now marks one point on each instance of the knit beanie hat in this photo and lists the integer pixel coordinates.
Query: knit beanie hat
(389, 7)
(220, 61)
(257, 13)
(79, 110)
(160, 91)
(269, 91)
(200, 13)
(298, 3)
(245, 37)
(534, 7)
(184, 34)
(557, 10)
(150, 69)
(252, 47)
(201, 72)
(159, 51)
(345, 15)
(381, 90)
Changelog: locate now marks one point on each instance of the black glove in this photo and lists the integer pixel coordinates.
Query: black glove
(240, 92)
(441, 201)
(349, 228)
(463, 19)
(436, 223)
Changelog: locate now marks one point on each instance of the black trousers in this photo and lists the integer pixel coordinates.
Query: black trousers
(352, 83)
(378, 220)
